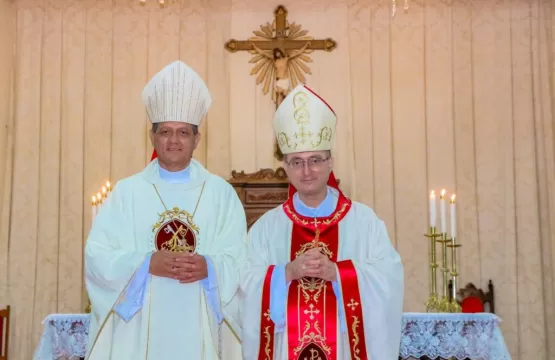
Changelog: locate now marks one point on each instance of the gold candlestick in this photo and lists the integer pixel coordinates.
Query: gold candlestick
(432, 302)
(443, 305)
(454, 306)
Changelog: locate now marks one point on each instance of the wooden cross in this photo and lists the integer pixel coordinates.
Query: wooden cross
(293, 44)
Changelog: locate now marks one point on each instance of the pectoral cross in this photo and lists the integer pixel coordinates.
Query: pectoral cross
(317, 238)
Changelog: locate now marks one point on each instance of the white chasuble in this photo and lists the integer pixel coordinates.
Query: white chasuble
(361, 321)
(175, 321)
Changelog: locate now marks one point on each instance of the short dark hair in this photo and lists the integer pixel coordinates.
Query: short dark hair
(155, 127)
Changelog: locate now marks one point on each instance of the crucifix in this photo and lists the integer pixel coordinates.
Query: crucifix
(280, 53)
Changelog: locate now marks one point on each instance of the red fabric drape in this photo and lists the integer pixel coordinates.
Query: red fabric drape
(154, 155)
(472, 304)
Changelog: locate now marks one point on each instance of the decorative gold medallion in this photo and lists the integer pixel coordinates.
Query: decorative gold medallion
(175, 231)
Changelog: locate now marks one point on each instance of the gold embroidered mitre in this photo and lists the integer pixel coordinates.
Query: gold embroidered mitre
(304, 122)
(176, 93)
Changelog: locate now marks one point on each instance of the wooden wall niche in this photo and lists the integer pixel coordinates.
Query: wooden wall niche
(260, 191)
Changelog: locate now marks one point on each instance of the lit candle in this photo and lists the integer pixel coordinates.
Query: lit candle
(453, 218)
(98, 202)
(433, 210)
(109, 187)
(104, 192)
(442, 212)
(93, 208)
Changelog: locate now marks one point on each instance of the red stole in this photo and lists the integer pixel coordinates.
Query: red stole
(312, 316)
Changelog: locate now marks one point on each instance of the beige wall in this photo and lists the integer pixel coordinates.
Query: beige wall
(456, 96)
(7, 47)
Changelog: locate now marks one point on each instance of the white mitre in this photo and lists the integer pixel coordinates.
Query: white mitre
(176, 93)
(304, 122)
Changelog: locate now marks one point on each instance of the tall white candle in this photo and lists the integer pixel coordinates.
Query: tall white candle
(443, 220)
(98, 202)
(453, 218)
(433, 209)
(93, 208)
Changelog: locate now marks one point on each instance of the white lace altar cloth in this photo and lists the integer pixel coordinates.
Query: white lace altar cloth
(460, 336)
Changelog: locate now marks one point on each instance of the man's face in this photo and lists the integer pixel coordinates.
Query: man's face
(309, 171)
(174, 143)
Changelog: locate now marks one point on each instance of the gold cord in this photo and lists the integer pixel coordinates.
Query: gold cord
(150, 282)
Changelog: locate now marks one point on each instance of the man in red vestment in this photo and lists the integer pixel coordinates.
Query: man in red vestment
(322, 280)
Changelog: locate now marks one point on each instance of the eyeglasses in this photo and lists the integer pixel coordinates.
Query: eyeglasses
(313, 163)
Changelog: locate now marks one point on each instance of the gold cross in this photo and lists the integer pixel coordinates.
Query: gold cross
(267, 314)
(353, 304)
(311, 311)
(303, 135)
(316, 222)
(317, 238)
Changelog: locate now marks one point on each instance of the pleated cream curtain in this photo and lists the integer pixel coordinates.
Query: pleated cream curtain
(450, 94)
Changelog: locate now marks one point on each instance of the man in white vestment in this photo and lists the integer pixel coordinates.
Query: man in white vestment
(162, 258)
(322, 280)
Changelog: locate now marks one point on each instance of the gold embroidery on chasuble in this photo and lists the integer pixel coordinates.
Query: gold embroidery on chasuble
(175, 230)
(312, 294)
(312, 305)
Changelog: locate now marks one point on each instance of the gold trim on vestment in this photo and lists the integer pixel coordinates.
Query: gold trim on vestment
(112, 310)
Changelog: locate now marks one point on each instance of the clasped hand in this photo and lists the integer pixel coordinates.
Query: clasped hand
(311, 264)
(184, 267)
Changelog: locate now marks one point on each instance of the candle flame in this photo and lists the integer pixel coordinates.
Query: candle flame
(94, 200)
(432, 194)
(108, 185)
(453, 199)
(442, 194)
(99, 197)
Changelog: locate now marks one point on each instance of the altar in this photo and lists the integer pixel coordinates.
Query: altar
(443, 335)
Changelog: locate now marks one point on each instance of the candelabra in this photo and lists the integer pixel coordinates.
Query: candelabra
(454, 306)
(447, 302)
(443, 305)
(433, 300)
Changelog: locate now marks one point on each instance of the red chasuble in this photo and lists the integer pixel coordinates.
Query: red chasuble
(312, 316)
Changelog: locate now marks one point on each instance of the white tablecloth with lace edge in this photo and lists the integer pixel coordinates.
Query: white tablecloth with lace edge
(460, 336)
